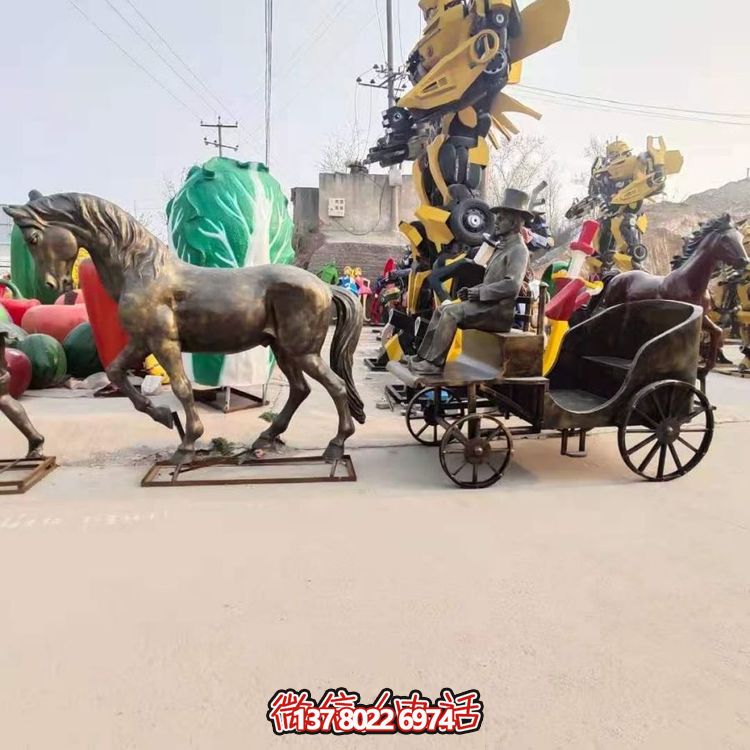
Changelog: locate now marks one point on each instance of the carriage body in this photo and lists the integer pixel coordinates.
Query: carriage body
(634, 367)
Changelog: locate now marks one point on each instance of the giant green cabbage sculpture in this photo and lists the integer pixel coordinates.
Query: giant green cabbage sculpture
(23, 271)
(230, 214)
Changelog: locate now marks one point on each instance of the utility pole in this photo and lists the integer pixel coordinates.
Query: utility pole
(269, 76)
(219, 142)
(394, 176)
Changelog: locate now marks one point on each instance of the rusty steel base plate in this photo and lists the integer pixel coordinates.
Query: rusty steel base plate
(238, 470)
(731, 370)
(21, 474)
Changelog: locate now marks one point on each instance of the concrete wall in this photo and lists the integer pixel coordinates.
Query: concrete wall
(305, 201)
(371, 258)
(368, 203)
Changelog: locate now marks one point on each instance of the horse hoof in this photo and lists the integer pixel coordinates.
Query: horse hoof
(182, 456)
(333, 452)
(35, 449)
(268, 444)
(163, 415)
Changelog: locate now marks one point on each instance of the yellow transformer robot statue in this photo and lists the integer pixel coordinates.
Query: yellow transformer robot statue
(469, 51)
(620, 183)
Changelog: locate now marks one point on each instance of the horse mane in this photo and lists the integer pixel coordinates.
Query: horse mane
(690, 244)
(129, 243)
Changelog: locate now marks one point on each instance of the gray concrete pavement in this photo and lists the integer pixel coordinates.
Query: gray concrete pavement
(591, 610)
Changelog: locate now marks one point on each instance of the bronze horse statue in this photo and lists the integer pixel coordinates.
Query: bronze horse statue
(717, 241)
(169, 307)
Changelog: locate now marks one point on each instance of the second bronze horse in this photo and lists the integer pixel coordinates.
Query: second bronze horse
(718, 241)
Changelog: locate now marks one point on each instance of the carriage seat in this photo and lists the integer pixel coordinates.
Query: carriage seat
(516, 354)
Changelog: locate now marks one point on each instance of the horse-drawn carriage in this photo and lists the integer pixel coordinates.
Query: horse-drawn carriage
(633, 366)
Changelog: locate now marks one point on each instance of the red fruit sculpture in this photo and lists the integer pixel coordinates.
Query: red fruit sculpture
(18, 307)
(54, 320)
(19, 367)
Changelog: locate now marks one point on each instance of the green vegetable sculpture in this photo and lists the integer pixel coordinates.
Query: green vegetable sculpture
(23, 271)
(230, 214)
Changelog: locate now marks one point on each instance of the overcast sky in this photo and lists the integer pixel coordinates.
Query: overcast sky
(77, 114)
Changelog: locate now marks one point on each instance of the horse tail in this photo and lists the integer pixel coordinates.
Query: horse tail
(349, 321)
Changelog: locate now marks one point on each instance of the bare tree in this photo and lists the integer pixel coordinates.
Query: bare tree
(522, 163)
(171, 184)
(341, 151)
(594, 148)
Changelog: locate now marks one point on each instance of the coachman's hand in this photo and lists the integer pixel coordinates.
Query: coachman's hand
(470, 295)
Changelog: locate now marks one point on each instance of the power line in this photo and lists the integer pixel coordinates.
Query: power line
(134, 61)
(641, 108)
(315, 36)
(269, 76)
(180, 59)
(579, 103)
(380, 28)
(145, 40)
(341, 49)
(400, 41)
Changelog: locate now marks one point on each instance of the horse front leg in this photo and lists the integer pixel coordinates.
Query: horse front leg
(169, 354)
(133, 354)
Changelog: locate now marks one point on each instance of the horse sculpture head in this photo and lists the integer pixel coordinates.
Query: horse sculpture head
(728, 242)
(53, 246)
(55, 227)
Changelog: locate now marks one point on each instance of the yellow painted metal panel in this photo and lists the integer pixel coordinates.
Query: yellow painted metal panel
(543, 24)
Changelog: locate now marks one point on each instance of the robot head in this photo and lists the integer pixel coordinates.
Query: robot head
(618, 148)
(429, 8)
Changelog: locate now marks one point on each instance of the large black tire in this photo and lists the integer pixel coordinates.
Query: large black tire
(470, 220)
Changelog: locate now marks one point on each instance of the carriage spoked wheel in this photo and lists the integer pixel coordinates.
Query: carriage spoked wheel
(476, 450)
(667, 431)
(429, 410)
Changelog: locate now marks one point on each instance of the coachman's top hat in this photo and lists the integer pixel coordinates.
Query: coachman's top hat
(515, 200)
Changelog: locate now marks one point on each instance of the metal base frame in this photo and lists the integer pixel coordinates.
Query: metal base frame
(35, 470)
(229, 399)
(733, 370)
(165, 474)
(399, 395)
(565, 436)
(372, 363)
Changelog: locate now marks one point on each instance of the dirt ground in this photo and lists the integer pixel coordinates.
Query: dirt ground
(590, 610)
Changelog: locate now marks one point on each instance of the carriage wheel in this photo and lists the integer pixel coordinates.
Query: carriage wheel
(427, 409)
(667, 431)
(476, 450)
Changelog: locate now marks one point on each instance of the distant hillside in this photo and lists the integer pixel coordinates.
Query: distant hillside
(670, 222)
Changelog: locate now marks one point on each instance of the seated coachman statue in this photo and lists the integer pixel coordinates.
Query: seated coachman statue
(489, 306)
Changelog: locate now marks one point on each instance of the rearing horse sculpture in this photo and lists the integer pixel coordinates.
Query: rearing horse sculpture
(168, 306)
(717, 241)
